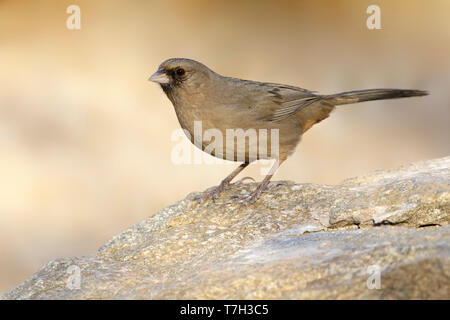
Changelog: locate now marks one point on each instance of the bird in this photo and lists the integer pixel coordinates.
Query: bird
(279, 114)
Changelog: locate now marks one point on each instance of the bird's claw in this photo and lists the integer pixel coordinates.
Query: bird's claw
(274, 185)
(249, 199)
(253, 196)
(245, 200)
(241, 181)
(214, 193)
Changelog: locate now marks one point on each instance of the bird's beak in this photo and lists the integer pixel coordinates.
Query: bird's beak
(159, 77)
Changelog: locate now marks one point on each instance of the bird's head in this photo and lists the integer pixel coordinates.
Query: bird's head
(183, 73)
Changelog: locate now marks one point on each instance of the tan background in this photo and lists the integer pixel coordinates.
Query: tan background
(85, 138)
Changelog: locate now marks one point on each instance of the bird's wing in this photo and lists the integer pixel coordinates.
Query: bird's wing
(269, 101)
(289, 100)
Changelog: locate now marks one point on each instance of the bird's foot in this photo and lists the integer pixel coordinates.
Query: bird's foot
(215, 192)
(274, 185)
(251, 198)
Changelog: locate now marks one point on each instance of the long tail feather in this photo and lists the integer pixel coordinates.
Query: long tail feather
(371, 94)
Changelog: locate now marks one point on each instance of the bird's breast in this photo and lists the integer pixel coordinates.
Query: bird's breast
(231, 134)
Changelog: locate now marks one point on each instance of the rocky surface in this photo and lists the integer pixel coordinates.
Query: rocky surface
(381, 236)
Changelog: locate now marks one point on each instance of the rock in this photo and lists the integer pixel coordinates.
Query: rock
(381, 236)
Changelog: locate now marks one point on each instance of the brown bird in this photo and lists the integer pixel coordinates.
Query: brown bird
(276, 114)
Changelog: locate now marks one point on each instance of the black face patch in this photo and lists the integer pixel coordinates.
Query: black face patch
(166, 88)
(173, 83)
(176, 79)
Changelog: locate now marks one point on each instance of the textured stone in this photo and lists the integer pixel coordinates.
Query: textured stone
(298, 241)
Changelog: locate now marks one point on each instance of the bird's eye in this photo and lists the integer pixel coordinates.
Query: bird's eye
(180, 72)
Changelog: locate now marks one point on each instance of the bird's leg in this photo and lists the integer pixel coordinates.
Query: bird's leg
(225, 182)
(252, 197)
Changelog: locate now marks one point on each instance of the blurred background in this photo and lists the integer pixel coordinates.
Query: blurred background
(85, 139)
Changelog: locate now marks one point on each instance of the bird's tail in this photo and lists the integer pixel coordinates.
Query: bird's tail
(371, 94)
